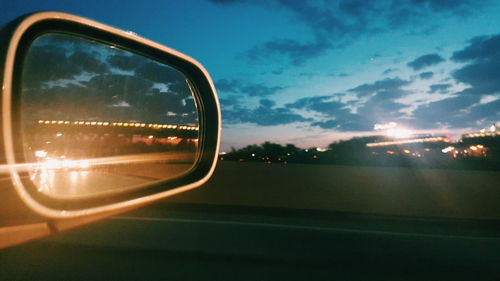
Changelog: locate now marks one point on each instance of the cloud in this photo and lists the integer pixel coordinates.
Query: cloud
(266, 114)
(482, 56)
(48, 63)
(426, 75)
(404, 13)
(480, 72)
(297, 52)
(451, 112)
(125, 62)
(378, 105)
(439, 88)
(489, 112)
(335, 24)
(231, 100)
(387, 84)
(159, 73)
(335, 114)
(252, 90)
(425, 61)
(479, 48)
(389, 70)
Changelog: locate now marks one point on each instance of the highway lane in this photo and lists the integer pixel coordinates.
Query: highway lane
(263, 220)
(169, 241)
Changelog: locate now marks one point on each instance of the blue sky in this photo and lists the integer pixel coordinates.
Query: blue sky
(311, 72)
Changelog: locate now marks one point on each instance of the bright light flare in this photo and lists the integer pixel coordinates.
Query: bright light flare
(385, 126)
(41, 153)
(399, 133)
(448, 149)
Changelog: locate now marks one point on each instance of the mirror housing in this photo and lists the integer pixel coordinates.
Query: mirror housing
(15, 41)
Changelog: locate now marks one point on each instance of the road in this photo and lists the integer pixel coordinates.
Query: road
(277, 230)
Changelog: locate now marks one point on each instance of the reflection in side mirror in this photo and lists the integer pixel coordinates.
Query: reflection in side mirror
(96, 119)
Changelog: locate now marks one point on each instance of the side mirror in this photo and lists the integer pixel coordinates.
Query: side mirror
(96, 121)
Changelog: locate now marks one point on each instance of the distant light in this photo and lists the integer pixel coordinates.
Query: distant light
(427, 149)
(448, 149)
(253, 154)
(473, 147)
(59, 135)
(150, 137)
(84, 164)
(480, 146)
(406, 151)
(41, 153)
(390, 152)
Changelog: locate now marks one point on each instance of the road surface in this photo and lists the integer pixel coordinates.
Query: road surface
(277, 231)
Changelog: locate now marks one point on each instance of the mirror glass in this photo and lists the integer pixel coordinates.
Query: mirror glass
(97, 119)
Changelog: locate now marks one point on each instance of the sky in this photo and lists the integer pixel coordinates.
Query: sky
(312, 72)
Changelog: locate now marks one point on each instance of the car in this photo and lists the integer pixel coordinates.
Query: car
(99, 122)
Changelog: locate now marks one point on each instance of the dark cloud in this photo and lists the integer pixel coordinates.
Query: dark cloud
(47, 63)
(335, 113)
(482, 77)
(451, 112)
(125, 62)
(224, 1)
(453, 6)
(480, 72)
(479, 48)
(379, 107)
(439, 88)
(296, 51)
(489, 112)
(339, 23)
(147, 69)
(389, 70)
(387, 84)
(252, 90)
(89, 62)
(425, 61)
(426, 75)
(228, 101)
(482, 56)
(321, 104)
(266, 114)
(417, 12)
(159, 73)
